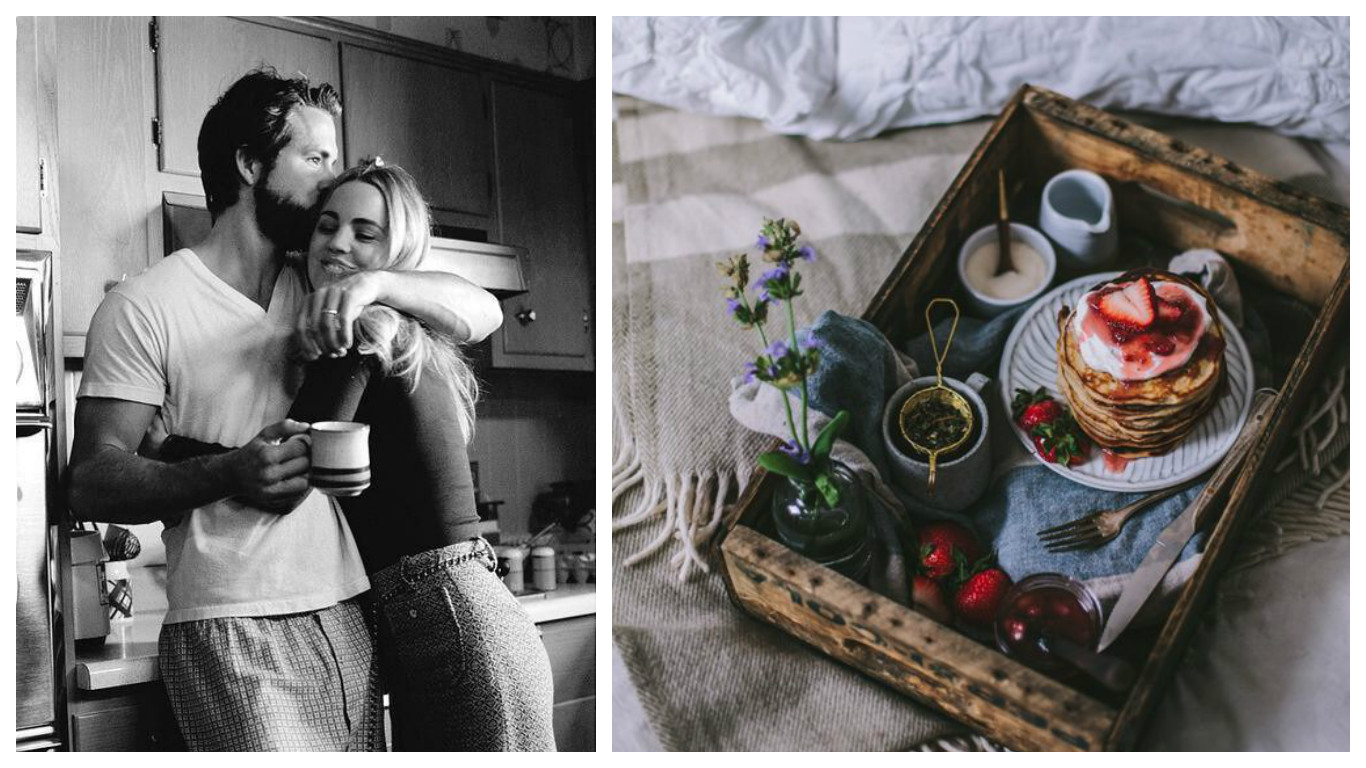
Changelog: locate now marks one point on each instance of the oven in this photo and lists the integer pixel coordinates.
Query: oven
(38, 630)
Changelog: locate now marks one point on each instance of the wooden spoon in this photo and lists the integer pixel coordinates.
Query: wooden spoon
(1003, 263)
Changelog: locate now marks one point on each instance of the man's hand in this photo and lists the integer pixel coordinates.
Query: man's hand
(324, 325)
(271, 471)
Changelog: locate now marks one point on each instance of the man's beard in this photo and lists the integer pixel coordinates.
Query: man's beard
(283, 221)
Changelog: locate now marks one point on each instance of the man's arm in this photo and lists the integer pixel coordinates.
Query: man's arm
(448, 303)
(108, 482)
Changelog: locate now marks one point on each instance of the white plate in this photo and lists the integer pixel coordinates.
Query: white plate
(1030, 361)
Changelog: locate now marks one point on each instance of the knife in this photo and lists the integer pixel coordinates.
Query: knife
(1174, 537)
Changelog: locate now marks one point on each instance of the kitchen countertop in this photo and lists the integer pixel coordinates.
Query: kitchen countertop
(129, 655)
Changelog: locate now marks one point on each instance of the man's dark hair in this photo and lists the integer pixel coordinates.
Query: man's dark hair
(253, 115)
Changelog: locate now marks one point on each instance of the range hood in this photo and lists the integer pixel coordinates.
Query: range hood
(495, 268)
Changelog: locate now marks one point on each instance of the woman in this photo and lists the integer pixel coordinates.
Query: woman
(464, 664)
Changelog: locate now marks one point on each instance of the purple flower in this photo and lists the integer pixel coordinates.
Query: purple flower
(762, 243)
(793, 449)
(808, 253)
(777, 274)
(751, 370)
(732, 306)
(807, 342)
(764, 296)
(777, 350)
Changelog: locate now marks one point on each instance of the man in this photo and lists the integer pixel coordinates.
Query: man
(265, 644)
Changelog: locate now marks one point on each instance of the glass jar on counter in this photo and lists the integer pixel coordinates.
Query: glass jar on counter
(543, 568)
(511, 567)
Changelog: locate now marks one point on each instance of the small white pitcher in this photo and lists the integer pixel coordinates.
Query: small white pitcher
(1078, 214)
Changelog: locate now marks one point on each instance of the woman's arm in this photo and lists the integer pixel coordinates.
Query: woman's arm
(449, 304)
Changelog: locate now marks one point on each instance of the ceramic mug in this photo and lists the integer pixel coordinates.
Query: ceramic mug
(339, 457)
(958, 482)
(1078, 213)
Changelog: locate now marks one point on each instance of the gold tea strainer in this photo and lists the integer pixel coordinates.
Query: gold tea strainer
(936, 419)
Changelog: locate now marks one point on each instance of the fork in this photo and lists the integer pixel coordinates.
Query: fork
(1100, 526)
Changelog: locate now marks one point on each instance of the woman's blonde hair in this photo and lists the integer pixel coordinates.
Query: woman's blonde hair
(404, 346)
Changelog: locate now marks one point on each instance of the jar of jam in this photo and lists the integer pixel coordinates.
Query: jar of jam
(1047, 605)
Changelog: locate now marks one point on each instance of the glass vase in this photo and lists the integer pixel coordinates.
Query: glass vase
(836, 537)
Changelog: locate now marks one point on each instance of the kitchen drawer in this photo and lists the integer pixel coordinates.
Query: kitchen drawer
(569, 643)
(131, 720)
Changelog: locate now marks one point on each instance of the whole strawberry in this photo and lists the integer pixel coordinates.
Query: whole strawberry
(941, 546)
(980, 595)
(1031, 409)
(928, 597)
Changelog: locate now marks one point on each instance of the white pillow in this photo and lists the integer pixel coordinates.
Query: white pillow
(854, 78)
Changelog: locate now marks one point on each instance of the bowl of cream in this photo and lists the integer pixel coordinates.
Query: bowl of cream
(1033, 266)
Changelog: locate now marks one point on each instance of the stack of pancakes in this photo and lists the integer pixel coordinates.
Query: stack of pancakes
(1144, 417)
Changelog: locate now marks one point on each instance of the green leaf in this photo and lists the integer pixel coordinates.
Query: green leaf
(785, 465)
(828, 489)
(825, 441)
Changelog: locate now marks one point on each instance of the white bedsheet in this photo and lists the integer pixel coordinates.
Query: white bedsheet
(854, 78)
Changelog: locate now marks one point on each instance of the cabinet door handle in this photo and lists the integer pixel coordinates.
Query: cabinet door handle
(526, 316)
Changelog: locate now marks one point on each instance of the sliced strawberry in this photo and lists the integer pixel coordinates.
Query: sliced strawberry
(1140, 292)
(1060, 441)
(1169, 311)
(1159, 344)
(1132, 306)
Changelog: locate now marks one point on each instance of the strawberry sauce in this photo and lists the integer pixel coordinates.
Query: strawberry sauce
(1050, 605)
(1164, 344)
(1114, 462)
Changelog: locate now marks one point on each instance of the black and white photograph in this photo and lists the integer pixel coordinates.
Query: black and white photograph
(305, 416)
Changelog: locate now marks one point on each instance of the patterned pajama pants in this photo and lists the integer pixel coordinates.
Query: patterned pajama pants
(465, 666)
(305, 681)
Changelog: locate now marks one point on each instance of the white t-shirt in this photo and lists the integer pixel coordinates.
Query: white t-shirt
(215, 363)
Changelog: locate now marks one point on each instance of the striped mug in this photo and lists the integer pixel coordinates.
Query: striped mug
(339, 457)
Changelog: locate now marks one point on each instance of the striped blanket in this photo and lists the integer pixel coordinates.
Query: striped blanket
(688, 191)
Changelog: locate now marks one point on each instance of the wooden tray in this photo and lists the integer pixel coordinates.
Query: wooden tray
(1170, 197)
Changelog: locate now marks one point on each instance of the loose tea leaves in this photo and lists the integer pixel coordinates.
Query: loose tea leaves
(934, 424)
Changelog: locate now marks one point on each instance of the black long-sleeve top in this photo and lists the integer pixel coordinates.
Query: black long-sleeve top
(421, 493)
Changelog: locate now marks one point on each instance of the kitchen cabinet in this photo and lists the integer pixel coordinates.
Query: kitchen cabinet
(429, 118)
(573, 663)
(31, 165)
(541, 207)
(198, 57)
(500, 153)
(103, 145)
